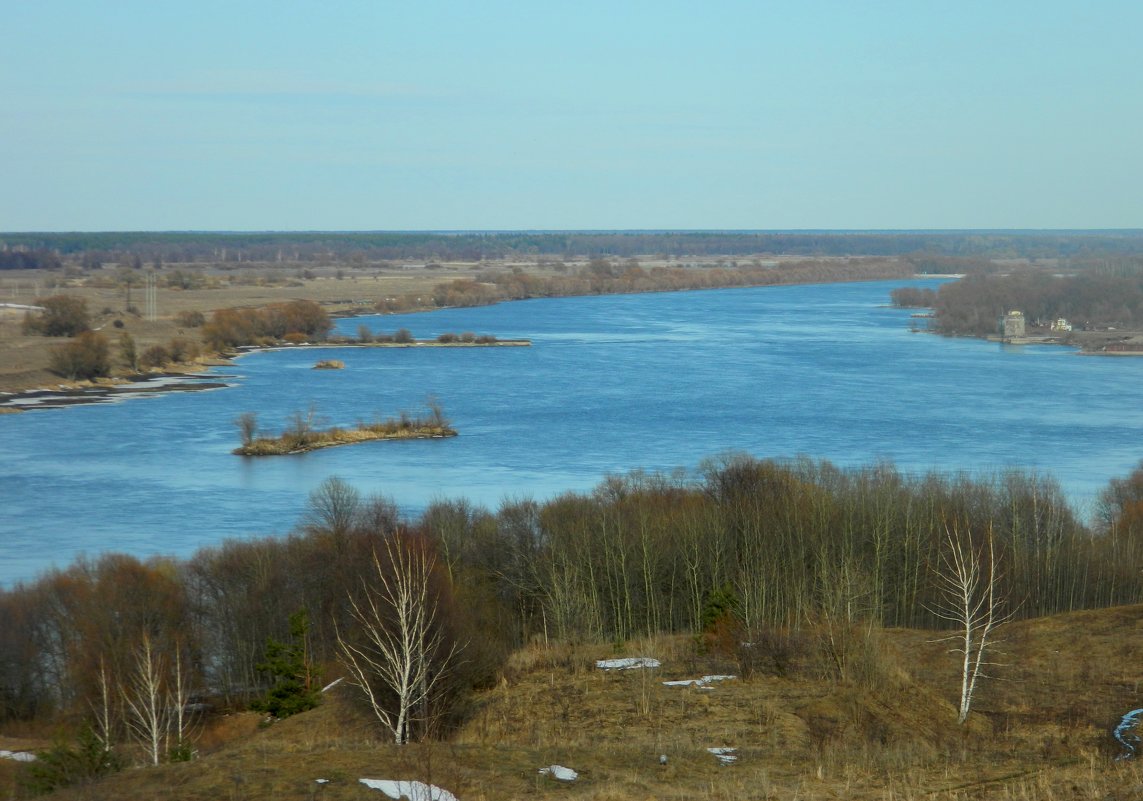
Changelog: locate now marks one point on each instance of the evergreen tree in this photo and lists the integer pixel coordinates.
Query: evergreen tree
(295, 678)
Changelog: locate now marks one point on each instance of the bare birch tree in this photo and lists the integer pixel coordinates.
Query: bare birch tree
(146, 701)
(104, 714)
(401, 653)
(178, 747)
(155, 700)
(968, 579)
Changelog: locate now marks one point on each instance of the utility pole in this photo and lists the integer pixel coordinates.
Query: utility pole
(150, 303)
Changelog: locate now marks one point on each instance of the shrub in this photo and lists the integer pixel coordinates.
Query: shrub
(128, 351)
(190, 319)
(66, 765)
(296, 338)
(155, 356)
(468, 336)
(247, 423)
(62, 316)
(448, 339)
(182, 350)
(403, 336)
(87, 356)
(364, 333)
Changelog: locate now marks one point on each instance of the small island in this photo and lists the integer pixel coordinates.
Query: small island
(301, 435)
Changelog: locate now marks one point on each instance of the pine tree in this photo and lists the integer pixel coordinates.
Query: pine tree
(295, 678)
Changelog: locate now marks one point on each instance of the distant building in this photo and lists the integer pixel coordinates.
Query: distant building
(1012, 324)
(1061, 325)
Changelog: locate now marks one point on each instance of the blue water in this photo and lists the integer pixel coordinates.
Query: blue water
(610, 384)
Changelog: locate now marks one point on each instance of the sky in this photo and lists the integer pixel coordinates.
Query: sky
(377, 115)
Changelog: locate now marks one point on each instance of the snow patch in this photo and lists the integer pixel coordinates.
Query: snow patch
(560, 772)
(412, 790)
(18, 756)
(332, 684)
(628, 663)
(700, 683)
(725, 755)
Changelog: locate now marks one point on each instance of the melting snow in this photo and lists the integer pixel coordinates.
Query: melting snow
(628, 663)
(414, 791)
(725, 754)
(560, 772)
(332, 684)
(700, 683)
(19, 756)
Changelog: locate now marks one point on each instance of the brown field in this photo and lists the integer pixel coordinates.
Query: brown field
(23, 359)
(1040, 730)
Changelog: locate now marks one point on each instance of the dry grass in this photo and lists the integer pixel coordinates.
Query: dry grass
(288, 444)
(24, 359)
(1041, 730)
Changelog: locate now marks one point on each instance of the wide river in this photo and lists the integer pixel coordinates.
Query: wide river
(610, 384)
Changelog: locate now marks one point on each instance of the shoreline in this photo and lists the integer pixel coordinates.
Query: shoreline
(81, 393)
(189, 379)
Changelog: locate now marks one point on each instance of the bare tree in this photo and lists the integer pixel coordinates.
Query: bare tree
(146, 701)
(104, 713)
(401, 652)
(178, 746)
(247, 423)
(968, 578)
(333, 508)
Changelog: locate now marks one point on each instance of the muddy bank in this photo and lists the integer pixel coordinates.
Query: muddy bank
(142, 386)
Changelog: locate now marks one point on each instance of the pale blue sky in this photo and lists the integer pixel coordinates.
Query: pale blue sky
(378, 115)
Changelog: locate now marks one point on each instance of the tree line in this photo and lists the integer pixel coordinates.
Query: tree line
(756, 549)
(604, 276)
(94, 248)
(1105, 294)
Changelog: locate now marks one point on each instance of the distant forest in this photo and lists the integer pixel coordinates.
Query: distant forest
(29, 250)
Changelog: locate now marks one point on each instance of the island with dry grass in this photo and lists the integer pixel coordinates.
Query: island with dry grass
(301, 435)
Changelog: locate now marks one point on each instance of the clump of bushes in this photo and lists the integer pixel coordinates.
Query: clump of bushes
(65, 765)
(155, 356)
(85, 357)
(178, 351)
(190, 319)
(301, 320)
(62, 316)
(467, 338)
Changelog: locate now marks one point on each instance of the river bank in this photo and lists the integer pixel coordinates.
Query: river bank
(190, 377)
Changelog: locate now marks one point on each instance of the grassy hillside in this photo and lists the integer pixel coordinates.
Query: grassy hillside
(1040, 729)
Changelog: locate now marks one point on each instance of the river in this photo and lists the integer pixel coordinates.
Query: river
(610, 384)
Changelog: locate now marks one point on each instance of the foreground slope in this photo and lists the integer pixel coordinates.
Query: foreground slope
(1039, 729)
